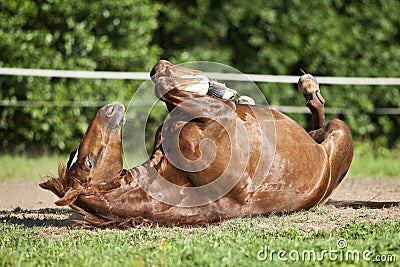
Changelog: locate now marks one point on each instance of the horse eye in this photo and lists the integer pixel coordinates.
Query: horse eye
(89, 163)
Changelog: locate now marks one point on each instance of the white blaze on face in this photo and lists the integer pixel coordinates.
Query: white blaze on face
(74, 159)
(201, 87)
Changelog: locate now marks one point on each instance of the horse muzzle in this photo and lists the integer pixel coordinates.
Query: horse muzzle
(115, 113)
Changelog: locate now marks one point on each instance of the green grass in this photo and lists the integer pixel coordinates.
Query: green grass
(366, 163)
(236, 243)
(25, 168)
(233, 243)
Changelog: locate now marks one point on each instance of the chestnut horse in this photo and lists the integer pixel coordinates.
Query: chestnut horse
(212, 160)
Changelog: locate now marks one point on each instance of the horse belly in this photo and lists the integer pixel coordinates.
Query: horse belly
(298, 177)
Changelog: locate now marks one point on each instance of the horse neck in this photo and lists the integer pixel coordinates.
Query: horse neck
(167, 214)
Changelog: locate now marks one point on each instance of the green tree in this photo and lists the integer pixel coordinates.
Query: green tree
(74, 35)
(325, 38)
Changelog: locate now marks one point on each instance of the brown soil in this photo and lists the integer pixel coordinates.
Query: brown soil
(356, 200)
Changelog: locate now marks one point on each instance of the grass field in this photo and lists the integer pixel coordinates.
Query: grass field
(25, 168)
(240, 242)
(258, 241)
(365, 163)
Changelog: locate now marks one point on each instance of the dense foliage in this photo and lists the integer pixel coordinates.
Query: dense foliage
(326, 38)
(56, 34)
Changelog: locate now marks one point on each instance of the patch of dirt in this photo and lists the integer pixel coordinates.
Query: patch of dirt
(329, 217)
(25, 195)
(355, 200)
(27, 204)
(368, 189)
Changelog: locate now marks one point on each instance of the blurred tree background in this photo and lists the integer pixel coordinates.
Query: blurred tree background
(68, 35)
(325, 38)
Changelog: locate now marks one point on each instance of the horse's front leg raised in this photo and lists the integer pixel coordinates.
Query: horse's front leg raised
(200, 132)
(180, 102)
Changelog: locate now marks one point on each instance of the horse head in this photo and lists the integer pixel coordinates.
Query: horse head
(98, 155)
(97, 159)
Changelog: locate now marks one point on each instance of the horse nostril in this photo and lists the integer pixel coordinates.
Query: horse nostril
(113, 109)
(110, 111)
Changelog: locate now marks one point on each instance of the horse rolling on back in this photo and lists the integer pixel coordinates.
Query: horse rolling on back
(216, 154)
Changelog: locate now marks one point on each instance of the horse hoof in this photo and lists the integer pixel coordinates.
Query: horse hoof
(245, 100)
(307, 84)
(220, 90)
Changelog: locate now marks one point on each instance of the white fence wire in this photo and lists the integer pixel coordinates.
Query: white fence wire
(218, 76)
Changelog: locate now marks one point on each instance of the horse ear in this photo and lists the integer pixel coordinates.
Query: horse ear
(70, 196)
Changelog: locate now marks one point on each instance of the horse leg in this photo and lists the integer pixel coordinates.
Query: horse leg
(338, 145)
(192, 104)
(335, 137)
(309, 88)
(199, 131)
(191, 80)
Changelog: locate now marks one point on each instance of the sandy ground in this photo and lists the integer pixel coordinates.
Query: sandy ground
(356, 200)
(25, 195)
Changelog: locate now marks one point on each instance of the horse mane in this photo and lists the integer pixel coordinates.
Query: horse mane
(89, 220)
(56, 184)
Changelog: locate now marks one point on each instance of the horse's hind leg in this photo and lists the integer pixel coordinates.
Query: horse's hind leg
(335, 137)
(309, 88)
(338, 144)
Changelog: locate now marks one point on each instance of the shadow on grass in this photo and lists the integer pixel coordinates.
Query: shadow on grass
(40, 217)
(363, 204)
(65, 218)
